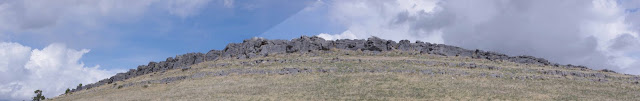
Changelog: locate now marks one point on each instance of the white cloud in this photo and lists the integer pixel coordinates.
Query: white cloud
(385, 18)
(52, 69)
(344, 35)
(17, 52)
(580, 32)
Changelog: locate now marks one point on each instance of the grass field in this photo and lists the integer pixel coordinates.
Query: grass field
(354, 75)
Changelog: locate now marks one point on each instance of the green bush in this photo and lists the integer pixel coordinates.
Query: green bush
(67, 91)
(38, 96)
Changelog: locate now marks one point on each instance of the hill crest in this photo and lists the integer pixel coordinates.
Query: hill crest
(260, 47)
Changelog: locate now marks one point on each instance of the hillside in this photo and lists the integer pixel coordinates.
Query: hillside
(311, 68)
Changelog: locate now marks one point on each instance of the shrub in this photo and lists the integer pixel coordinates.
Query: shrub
(67, 91)
(79, 86)
(38, 96)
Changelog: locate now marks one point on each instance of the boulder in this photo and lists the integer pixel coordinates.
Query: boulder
(273, 47)
(305, 44)
(529, 60)
(348, 44)
(375, 44)
(188, 59)
(405, 45)
(212, 55)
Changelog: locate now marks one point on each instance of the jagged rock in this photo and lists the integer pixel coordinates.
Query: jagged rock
(273, 47)
(349, 44)
(188, 59)
(307, 44)
(118, 77)
(446, 50)
(405, 45)
(607, 70)
(529, 60)
(377, 44)
(212, 55)
(142, 69)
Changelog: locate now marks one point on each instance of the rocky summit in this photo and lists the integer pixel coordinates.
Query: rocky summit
(312, 68)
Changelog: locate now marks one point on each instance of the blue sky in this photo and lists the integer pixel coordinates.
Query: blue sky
(156, 34)
(161, 35)
(65, 42)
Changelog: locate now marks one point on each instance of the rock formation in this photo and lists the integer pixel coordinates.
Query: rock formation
(259, 47)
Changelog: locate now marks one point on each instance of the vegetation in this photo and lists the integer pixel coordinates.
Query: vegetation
(68, 91)
(38, 96)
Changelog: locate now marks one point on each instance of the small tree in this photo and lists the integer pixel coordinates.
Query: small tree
(68, 91)
(79, 86)
(38, 96)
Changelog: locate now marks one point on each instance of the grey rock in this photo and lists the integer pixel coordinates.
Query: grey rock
(188, 59)
(273, 47)
(377, 44)
(405, 45)
(349, 44)
(607, 70)
(529, 60)
(213, 55)
(185, 68)
(445, 50)
(307, 44)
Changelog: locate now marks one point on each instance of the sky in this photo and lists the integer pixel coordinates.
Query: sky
(53, 45)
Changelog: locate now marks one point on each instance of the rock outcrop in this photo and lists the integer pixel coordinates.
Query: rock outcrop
(259, 47)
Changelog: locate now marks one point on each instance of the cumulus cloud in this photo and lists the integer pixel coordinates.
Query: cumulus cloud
(344, 35)
(596, 33)
(52, 69)
(384, 18)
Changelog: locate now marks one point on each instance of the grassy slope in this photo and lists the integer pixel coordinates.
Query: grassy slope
(443, 81)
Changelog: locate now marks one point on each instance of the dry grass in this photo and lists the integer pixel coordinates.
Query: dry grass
(366, 85)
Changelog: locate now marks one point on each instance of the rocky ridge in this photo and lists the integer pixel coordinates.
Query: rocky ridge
(259, 47)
